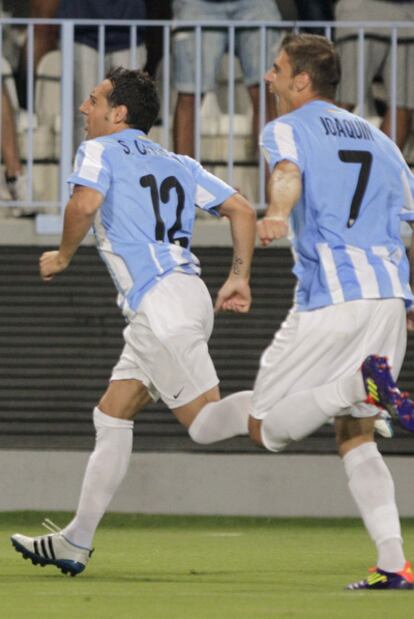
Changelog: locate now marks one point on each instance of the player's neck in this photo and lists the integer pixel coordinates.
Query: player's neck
(120, 127)
(309, 98)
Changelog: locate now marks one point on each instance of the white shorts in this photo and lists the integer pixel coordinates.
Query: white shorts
(318, 347)
(166, 341)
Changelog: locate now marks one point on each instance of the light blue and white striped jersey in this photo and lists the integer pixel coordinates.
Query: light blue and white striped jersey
(356, 190)
(144, 226)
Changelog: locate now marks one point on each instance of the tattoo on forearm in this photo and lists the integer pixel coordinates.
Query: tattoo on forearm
(237, 262)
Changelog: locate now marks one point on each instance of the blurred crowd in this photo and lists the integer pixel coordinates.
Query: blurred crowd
(214, 43)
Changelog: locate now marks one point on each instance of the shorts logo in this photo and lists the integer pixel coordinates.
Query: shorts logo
(175, 395)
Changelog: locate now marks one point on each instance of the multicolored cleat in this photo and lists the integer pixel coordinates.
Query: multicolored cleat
(380, 579)
(53, 549)
(383, 391)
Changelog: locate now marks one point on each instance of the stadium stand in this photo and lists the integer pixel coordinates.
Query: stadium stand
(246, 173)
(59, 341)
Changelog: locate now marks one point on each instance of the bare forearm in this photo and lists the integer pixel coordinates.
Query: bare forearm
(79, 215)
(242, 219)
(284, 189)
(243, 231)
(77, 223)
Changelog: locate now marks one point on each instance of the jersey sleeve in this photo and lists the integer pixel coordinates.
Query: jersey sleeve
(280, 142)
(211, 191)
(92, 167)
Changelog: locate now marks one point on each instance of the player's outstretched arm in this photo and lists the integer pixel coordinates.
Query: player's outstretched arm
(79, 216)
(235, 294)
(285, 188)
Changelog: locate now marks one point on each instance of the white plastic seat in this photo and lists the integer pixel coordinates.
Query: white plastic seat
(47, 89)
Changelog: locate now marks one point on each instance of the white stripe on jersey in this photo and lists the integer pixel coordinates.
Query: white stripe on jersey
(115, 264)
(92, 162)
(329, 266)
(177, 254)
(408, 196)
(391, 268)
(102, 240)
(364, 272)
(285, 141)
(155, 259)
(203, 197)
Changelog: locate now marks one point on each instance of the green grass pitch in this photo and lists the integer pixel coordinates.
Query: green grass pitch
(165, 567)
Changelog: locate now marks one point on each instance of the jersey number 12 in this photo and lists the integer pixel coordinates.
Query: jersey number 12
(171, 182)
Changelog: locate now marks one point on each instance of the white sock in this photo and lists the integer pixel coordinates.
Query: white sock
(223, 419)
(104, 473)
(298, 415)
(372, 488)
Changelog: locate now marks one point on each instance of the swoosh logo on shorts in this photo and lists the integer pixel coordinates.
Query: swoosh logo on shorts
(175, 395)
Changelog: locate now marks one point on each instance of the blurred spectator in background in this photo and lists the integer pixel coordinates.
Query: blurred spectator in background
(315, 10)
(156, 9)
(214, 45)
(378, 58)
(15, 186)
(117, 44)
(45, 39)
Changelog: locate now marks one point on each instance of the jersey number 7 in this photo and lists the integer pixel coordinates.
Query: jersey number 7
(364, 158)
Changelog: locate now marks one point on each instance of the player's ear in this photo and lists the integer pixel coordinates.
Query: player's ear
(120, 114)
(302, 81)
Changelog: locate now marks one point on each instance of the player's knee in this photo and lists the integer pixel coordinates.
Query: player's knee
(273, 439)
(198, 433)
(261, 435)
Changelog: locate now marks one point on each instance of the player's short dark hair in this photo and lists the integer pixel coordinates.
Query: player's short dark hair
(138, 93)
(316, 56)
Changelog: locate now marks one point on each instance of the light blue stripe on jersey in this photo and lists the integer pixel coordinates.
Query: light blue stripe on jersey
(144, 226)
(388, 280)
(356, 190)
(330, 273)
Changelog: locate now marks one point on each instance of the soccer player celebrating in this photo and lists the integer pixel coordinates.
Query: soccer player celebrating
(342, 187)
(141, 200)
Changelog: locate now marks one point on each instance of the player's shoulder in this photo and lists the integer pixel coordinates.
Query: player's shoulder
(291, 119)
(97, 146)
(302, 118)
(107, 142)
(192, 166)
(283, 128)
